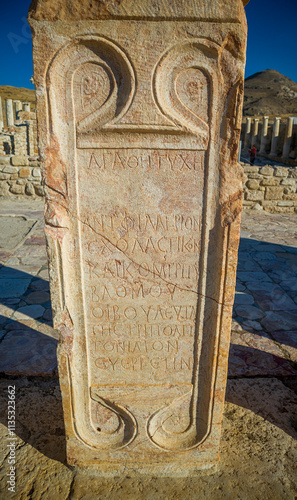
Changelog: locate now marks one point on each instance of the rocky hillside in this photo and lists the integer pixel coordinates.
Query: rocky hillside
(269, 93)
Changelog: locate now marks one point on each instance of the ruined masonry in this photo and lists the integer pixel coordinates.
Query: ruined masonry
(275, 138)
(20, 173)
(139, 110)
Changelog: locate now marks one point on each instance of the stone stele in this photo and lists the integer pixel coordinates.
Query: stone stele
(139, 111)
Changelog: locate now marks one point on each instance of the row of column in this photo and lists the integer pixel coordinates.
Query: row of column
(251, 135)
(10, 116)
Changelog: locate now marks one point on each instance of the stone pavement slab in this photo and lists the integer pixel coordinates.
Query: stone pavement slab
(264, 339)
(13, 230)
(28, 352)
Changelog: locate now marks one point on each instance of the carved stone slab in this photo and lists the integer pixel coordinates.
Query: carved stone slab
(139, 111)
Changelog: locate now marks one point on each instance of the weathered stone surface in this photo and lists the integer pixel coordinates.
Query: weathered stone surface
(39, 190)
(291, 196)
(24, 172)
(250, 169)
(288, 182)
(255, 196)
(270, 182)
(266, 170)
(285, 203)
(29, 189)
(257, 206)
(281, 172)
(274, 193)
(255, 176)
(10, 170)
(36, 172)
(252, 184)
(143, 197)
(4, 177)
(16, 189)
(4, 189)
(20, 160)
(4, 160)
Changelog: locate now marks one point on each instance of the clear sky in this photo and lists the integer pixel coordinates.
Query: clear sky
(272, 39)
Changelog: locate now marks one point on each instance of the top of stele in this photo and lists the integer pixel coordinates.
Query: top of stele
(73, 10)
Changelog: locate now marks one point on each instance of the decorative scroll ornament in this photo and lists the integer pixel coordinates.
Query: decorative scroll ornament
(184, 88)
(98, 82)
(103, 86)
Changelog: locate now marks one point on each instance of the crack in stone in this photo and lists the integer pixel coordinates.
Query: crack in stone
(70, 487)
(51, 188)
(140, 266)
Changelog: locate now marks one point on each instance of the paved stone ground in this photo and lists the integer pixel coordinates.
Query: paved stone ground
(258, 452)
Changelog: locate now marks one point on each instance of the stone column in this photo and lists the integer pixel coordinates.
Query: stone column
(254, 140)
(264, 134)
(142, 222)
(26, 106)
(1, 115)
(247, 137)
(9, 113)
(288, 137)
(274, 138)
(18, 107)
(30, 137)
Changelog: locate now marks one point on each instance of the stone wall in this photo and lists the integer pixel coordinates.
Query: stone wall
(20, 176)
(18, 129)
(21, 139)
(270, 188)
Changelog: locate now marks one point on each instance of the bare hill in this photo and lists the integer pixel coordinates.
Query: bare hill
(269, 93)
(26, 95)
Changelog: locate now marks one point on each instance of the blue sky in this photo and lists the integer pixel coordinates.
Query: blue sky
(272, 40)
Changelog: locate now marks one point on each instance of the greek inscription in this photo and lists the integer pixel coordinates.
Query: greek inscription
(143, 222)
(149, 313)
(176, 364)
(127, 270)
(139, 290)
(129, 346)
(143, 330)
(164, 245)
(155, 160)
